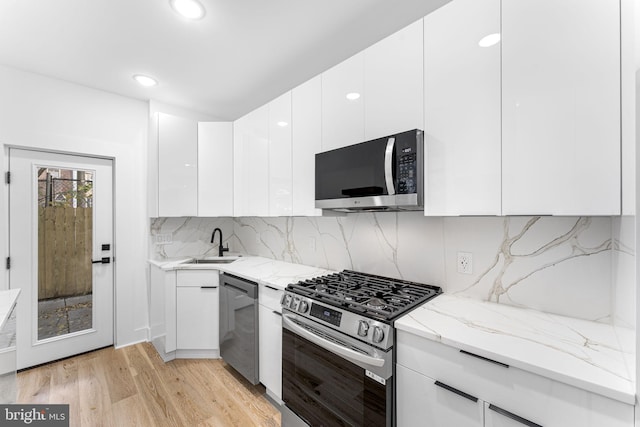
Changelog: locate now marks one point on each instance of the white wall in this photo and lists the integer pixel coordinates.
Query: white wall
(44, 113)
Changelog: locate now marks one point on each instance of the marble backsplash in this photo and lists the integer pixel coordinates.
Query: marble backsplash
(577, 266)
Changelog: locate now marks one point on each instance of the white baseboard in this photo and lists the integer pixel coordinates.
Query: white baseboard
(197, 354)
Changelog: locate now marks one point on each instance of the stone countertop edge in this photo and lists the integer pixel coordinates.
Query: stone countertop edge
(588, 355)
(8, 300)
(264, 271)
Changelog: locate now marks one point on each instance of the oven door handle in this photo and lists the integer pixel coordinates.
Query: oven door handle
(347, 353)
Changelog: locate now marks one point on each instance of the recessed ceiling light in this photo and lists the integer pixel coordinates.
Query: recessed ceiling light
(489, 40)
(145, 81)
(190, 9)
(353, 96)
(283, 124)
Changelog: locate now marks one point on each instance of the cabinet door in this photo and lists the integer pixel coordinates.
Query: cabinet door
(462, 109)
(393, 82)
(157, 327)
(177, 166)
(307, 141)
(215, 169)
(561, 107)
(421, 402)
(343, 104)
(197, 318)
(280, 181)
(270, 344)
(251, 163)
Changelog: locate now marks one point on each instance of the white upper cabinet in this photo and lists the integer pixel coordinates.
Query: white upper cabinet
(215, 169)
(343, 104)
(280, 183)
(251, 163)
(393, 93)
(462, 109)
(177, 166)
(376, 92)
(561, 107)
(307, 141)
(262, 160)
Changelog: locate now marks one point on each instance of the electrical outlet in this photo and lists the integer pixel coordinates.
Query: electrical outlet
(164, 239)
(465, 263)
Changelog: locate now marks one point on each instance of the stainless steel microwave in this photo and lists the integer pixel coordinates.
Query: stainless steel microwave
(384, 174)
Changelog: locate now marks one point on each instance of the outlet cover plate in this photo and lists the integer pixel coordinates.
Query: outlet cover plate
(465, 263)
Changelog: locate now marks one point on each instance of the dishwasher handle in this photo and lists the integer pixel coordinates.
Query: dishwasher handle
(245, 286)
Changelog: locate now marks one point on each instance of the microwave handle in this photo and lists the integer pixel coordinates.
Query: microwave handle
(388, 166)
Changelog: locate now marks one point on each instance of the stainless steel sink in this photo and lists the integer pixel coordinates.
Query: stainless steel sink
(210, 261)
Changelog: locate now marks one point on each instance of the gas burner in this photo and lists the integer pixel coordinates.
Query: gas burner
(376, 303)
(397, 300)
(321, 287)
(344, 296)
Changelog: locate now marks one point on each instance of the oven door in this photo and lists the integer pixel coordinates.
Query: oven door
(330, 379)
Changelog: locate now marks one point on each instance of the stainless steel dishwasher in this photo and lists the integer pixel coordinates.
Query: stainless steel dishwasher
(239, 325)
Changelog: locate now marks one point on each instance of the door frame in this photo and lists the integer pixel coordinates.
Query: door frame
(6, 225)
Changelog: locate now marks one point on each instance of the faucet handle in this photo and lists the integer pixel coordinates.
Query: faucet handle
(225, 249)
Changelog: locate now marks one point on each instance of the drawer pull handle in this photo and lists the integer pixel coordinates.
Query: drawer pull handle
(208, 287)
(456, 391)
(513, 416)
(486, 359)
(277, 313)
(271, 287)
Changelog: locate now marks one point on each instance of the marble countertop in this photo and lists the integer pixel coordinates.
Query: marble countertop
(262, 270)
(7, 301)
(589, 355)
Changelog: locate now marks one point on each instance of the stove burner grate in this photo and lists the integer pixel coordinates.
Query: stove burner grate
(375, 296)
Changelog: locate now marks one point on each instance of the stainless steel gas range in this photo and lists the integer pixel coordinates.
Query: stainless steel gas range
(337, 347)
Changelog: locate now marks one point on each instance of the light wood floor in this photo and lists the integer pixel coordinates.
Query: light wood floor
(132, 386)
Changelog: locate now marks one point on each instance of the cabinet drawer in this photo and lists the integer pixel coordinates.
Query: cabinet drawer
(270, 296)
(536, 398)
(420, 402)
(198, 278)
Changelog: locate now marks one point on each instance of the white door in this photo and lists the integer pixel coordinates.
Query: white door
(61, 253)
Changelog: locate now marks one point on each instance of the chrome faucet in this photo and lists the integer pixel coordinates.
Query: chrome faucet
(221, 249)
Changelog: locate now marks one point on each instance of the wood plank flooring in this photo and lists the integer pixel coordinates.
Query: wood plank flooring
(132, 386)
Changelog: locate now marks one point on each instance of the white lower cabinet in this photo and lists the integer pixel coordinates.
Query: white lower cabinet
(183, 313)
(162, 309)
(8, 364)
(439, 385)
(421, 402)
(270, 340)
(197, 323)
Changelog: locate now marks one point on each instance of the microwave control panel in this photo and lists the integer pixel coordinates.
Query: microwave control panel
(407, 171)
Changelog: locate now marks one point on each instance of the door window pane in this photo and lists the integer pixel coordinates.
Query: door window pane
(65, 242)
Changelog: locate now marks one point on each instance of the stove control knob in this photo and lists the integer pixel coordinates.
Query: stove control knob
(378, 334)
(363, 328)
(303, 307)
(294, 303)
(286, 300)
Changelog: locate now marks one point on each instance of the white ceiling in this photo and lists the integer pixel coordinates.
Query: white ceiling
(241, 55)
